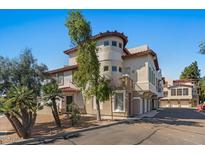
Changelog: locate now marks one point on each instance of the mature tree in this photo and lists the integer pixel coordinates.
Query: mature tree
(52, 93)
(87, 77)
(18, 102)
(202, 89)
(191, 72)
(20, 107)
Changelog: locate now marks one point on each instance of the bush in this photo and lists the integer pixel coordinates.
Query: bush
(73, 112)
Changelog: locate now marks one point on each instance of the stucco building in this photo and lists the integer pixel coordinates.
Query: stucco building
(180, 94)
(134, 73)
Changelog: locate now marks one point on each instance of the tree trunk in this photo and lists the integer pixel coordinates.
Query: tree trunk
(98, 110)
(12, 123)
(23, 129)
(18, 126)
(111, 108)
(55, 113)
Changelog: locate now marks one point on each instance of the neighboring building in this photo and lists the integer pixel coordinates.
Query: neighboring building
(180, 94)
(134, 73)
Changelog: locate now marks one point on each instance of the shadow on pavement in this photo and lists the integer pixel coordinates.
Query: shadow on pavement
(179, 113)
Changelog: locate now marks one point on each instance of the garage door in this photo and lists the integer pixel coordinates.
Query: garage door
(185, 104)
(164, 103)
(174, 104)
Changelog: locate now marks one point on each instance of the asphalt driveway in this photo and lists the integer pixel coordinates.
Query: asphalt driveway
(169, 127)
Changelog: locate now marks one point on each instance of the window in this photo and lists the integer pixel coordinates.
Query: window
(120, 45)
(127, 70)
(120, 69)
(173, 92)
(153, 79)
(165, 93)
(150, 75)
(179, 92)
(119, 102)
(106, 68)
(114, 43)
(106, 43)
(60, 78)
(136, 76)
(185, 92)
(114, 68)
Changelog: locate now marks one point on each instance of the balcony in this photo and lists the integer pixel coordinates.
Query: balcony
(126, 82)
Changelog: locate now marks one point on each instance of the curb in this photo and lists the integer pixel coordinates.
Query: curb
(66, 135)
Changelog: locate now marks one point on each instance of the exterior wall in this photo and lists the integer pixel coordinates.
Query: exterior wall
(107, 108)
(180, 101)
(110, 56)
(77, 99)
(67, 80)
(72, 58)
(140, 73)
(189, 96)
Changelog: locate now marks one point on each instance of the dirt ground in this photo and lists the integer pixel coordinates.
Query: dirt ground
(45, 126)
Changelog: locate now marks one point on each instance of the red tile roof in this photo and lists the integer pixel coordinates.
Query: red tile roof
(101, 35)
(181, 85)
(63, 69)
(184, 80)
(143, 53)
(69, 89)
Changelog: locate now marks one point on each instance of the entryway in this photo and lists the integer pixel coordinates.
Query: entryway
(69, 100)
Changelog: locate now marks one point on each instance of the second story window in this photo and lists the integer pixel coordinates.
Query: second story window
(106, 43)
(106, 68)
(120, 45)
(60, 78)
(165, 93)
(185, 92)
(114, 43)
(173, 92)
(179, 92)
(114, 68)
(120, 69)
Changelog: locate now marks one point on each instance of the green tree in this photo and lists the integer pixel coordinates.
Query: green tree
(202, 89)
(191, 72)
(20, 107)
(18, 102)
(52, 93)
(87, 77)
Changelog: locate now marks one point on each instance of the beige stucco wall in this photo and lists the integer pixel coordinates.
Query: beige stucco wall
(67, 80)
(72, 58)
(140, 72)
(189, 96)
(106, 107)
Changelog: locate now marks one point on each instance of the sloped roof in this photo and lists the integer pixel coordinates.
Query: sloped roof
(142, 51)
(69, 89)
(101, 35)
(63, 69)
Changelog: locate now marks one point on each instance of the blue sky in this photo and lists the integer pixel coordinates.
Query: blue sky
(173, 34)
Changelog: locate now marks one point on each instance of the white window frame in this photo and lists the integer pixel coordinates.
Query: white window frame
(58, 79)
(124, 99)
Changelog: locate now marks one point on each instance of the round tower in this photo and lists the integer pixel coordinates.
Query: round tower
(110, 50)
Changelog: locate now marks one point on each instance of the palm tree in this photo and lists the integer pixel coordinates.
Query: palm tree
(20, 107)
(51, 94)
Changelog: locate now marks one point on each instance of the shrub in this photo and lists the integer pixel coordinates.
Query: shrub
(73, 112)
